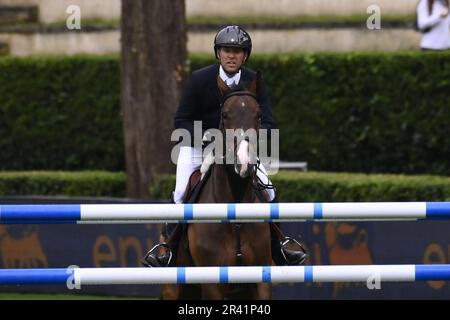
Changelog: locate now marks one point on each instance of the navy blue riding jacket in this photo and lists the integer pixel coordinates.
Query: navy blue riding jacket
(201, 100)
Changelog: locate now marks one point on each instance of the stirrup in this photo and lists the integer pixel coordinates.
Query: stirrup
(151, 255)
(288, 240)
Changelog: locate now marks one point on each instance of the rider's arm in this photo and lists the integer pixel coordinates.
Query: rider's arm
(187, 111)
(424, 19)
(267, 119)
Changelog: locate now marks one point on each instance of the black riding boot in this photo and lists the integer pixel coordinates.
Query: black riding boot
(156, 259)
(281, 254)
(285, 250)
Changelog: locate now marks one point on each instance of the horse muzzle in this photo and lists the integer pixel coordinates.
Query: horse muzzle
(243, 165)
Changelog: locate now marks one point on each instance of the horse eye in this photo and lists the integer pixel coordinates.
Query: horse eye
(224, 115)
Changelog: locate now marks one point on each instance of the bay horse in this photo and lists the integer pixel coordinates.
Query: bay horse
(228, 244)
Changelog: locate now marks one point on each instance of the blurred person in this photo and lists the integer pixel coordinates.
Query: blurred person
(433, 20)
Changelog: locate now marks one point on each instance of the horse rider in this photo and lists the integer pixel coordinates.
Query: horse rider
(201, 101)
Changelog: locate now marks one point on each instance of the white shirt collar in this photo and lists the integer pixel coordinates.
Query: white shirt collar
(230, 80)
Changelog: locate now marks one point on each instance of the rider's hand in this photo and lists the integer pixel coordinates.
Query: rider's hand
(444, 13)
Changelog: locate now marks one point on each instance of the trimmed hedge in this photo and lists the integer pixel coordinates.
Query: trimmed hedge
(80, 184)
(339, 112)
(327, 187)
(292, 186)
(366, 113)
(60, 114)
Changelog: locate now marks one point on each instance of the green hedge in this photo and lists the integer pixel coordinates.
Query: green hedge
(339, 112)
(80, 184)
(327, 187)
(60, 114)
(292, 186)
(363, 112)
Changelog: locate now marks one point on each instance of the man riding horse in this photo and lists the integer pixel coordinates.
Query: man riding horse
(201, 101)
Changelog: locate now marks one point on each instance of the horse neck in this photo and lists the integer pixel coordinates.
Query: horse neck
(229, 186)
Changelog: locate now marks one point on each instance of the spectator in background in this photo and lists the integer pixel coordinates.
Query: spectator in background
(433, 20)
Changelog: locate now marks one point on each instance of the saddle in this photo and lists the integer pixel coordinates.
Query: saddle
(195, 185)
(194, 180)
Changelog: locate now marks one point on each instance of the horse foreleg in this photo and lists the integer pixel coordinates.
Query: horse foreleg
(263, 291)
(212, 292)
(170, 292)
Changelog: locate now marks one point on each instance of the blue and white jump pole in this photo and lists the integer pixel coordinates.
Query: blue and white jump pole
(77, 277)
(221, 212)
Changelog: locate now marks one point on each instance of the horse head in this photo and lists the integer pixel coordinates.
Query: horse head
(240, 123)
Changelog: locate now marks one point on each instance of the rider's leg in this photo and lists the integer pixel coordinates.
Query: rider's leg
(284, 250)
(189, 160)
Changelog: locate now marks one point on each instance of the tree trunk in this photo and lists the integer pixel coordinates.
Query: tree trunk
(153, 40)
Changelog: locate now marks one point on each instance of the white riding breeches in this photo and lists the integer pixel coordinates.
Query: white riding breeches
(189, 160)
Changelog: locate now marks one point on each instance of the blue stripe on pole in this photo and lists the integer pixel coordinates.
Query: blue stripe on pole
(266, 274)
(34, 276)
(223, 275)
(34, 221)
(70, 213)
(188, 211)
(318, 211)
(309, 274)
(181, 275)
(274, 211)
(432, 272)
(438, 210)
(231, 211)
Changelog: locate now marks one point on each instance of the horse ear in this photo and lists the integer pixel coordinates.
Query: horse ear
(254, 85)
(223, 88)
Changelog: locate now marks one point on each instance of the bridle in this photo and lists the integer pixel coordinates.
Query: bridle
(224, 99)
(257, 184)
(255, 181)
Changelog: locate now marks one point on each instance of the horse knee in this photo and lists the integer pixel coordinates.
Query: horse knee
(264, 291)
(212, 292)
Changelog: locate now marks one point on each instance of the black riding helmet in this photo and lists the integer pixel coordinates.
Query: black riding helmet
(233, 36)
